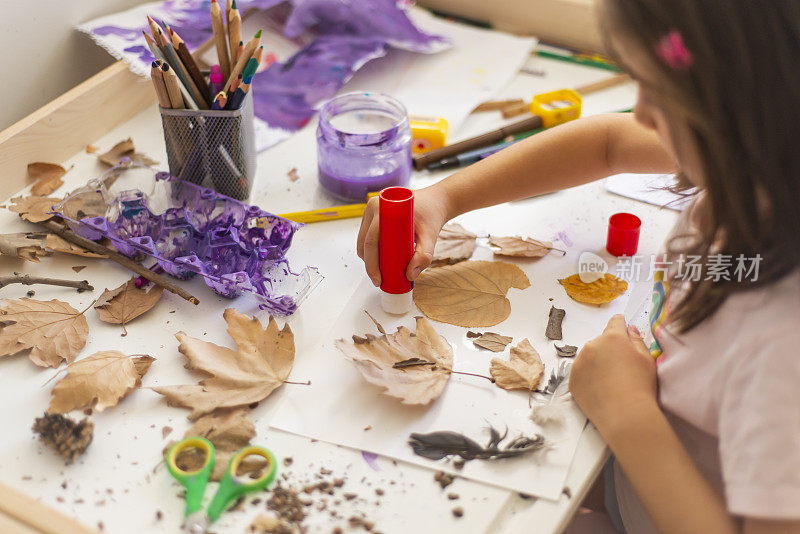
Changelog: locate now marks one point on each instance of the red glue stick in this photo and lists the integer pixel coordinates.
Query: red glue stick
(395, 247)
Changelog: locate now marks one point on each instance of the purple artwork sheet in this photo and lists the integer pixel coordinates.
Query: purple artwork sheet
(349, 34)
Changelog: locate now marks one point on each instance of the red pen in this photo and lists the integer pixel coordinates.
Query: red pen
(395, 247)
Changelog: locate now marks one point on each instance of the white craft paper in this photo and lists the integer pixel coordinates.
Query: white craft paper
(650, 188)
(449, 84)
(339, 405)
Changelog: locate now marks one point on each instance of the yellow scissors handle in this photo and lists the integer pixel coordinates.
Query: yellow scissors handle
(194, 481)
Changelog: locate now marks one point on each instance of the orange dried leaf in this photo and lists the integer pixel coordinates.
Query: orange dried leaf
(261, 364)
(98, 381)
(57, 243)
(53, 330)
(601, 291)
(470, 293)
(523, 370)
(124, 149)
(376, 358)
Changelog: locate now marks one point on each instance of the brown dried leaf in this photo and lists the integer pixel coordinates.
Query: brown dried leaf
(124, 149)
(228, 431)
(519, 247)
(47, 176)
(261, 364)
(91, 149)
(98, 381)
(470, 293)
(125, 303)
(34, 209)
(493, 342)
(454, 244)
(600, 291)
(375, 358)
(523, 370)
(52, 330)
(57, 243)
(26, 246)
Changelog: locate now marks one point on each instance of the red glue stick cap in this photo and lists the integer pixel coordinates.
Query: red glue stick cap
(623, 234)
(395, 246)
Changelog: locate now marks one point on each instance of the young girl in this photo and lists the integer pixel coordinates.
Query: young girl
(706, 439)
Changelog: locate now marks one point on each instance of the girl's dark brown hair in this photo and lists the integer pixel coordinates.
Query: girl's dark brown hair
(738, 104)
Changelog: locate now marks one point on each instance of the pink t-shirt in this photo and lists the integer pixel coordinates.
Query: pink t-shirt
(730, 387)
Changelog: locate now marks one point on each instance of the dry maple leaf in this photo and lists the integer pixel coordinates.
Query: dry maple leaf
(52, 330)
(376, 357)
(600, 291)
(228, 431)
(470, 293)
(237, 378)
(521, 248)
(47, 176)
(57, 243)
(26, 246)
(454, 244)
(34, 209)
(125, 303)
(98, 381)
(124, 149)
(523, 370)
(493, 342)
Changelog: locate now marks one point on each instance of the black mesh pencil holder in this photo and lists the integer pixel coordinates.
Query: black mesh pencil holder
(213, 149)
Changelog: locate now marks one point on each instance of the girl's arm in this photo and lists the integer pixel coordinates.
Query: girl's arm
(613, 380)
(571, 154)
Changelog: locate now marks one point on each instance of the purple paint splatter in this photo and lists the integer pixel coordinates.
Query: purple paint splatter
(371, 459)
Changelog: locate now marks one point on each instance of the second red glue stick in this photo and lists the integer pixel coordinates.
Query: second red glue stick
(395, 247)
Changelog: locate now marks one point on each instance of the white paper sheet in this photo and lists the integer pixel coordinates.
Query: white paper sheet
(468, 404)
(452, 83)
(648, 188)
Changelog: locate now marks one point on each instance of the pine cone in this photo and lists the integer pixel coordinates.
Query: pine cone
(65, 436)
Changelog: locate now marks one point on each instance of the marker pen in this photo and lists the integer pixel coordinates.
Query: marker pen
(395, 247)
(217, 80)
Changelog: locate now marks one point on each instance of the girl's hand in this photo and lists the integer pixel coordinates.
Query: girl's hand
(614, 376)
(430, 214)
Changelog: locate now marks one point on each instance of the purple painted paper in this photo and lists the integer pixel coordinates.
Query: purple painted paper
(285, 94)
(371, 459)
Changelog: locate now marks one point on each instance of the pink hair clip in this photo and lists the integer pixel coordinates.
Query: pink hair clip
(672, 51)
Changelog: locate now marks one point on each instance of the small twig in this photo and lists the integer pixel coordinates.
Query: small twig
(119, 258)
(307, 383)
(28, 280)
(489, 378)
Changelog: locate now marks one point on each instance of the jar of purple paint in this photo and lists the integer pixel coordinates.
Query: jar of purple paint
(363, 145)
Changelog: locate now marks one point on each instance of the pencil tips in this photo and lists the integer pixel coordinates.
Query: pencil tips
(258, 34)
(233, 5)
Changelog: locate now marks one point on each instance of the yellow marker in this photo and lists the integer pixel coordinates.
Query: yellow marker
(557, 107)
(427, 133)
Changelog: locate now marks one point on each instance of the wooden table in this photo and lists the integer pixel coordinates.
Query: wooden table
(120, 481)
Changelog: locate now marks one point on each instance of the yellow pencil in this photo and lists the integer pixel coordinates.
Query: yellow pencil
(334, 213)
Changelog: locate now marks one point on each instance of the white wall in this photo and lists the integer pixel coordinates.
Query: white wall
(42, 55)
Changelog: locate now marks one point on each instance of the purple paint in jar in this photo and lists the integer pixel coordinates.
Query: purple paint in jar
(363, 145)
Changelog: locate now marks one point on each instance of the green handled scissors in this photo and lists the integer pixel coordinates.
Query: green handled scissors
(230, 488)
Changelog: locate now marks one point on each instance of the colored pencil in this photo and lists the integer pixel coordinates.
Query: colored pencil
(235, 84)
(189, 63)
(154, 48)
(579, 60)
(249, 48)
(334, 213)
(181, 72)
(157, 77)
(228, 7)
(239, 51)
(234, 30)
(173, 90)
(153, 28)
(252, 65)
(220, 101)
(220, 39)
(238, 96)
